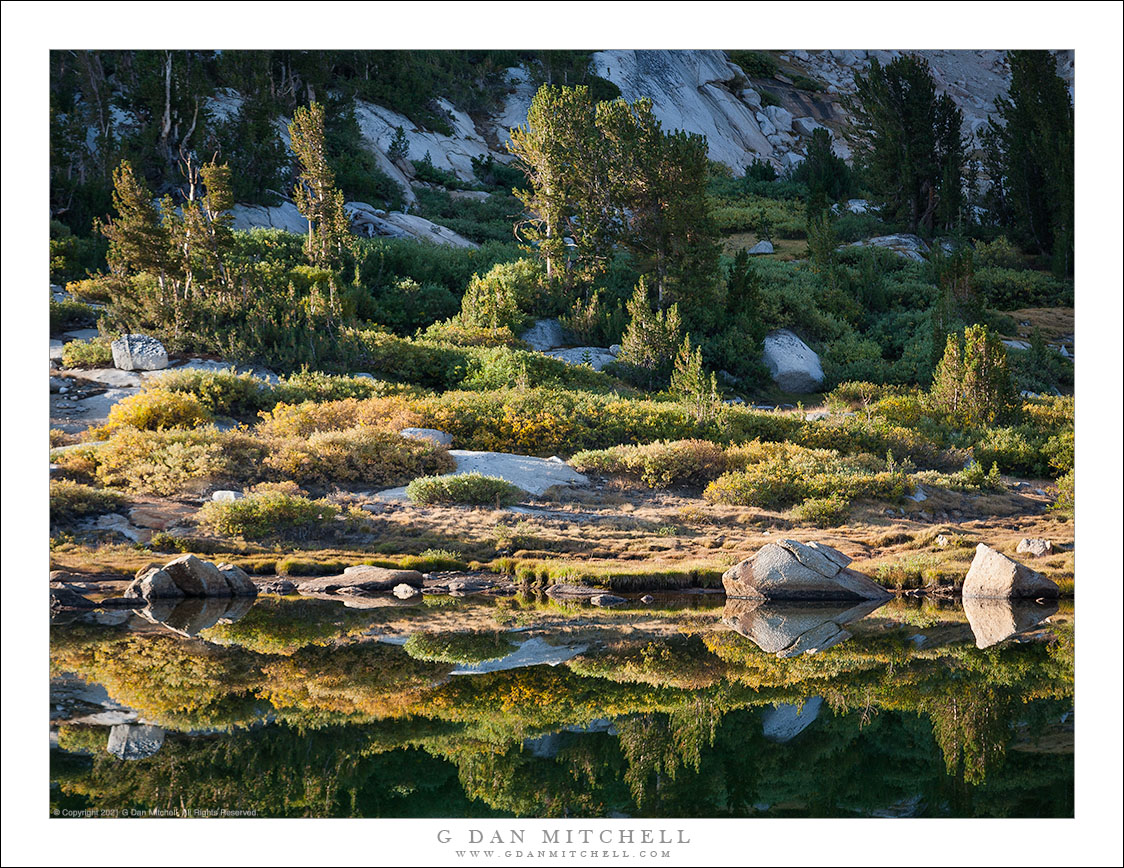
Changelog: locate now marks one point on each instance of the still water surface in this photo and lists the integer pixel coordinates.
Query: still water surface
(691, 707)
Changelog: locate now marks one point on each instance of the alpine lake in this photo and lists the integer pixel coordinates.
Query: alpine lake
(688, 705)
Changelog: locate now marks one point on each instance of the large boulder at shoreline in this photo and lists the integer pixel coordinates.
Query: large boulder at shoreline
(362, 579)
(240, 584)
(63, 597)
(993, 620)
(197, 577)
(792, 570)
(994, 575)
(154, 583)
(794, 365)
(139, 353)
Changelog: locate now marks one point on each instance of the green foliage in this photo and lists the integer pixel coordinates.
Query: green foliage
(70, 501)
(164, 462)
(596, 322)
(474, 489)
(691, 386)
(823, 172)
(67, 315)
(1012, 289)
(912, 147)
(503, 297)
(458, 648)
(755, 64)
(268, 514)
(155, 409)
(221, 393)
(779, 475)
(94, 353)
(830, 511)
(73, 256)
(658, 465)
(972, 384)
(1029, 154)
(355, 455)
(424, 170)
(650, 340)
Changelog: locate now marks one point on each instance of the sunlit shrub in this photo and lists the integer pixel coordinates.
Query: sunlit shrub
(659, 464)
(265, 514)
(473, 489)
(301, 420)
(367, 455)
(94, 353)
(224, 393)
(72, 500)
(155, 409)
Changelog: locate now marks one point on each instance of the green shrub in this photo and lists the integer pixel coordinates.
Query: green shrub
(66, 315)
(72, 500)
(267, 514)
(474, 489)
(1066, 495)
(458, 648)
(1012, 289)
(222, 393)
(456, 333)
(503, 297)
(301, 420)
(155, 409)
(779, 475)
(94, 353)
(999, 253)
(830, 511)
(309, 385)
(658, 465)
(755, 64)
(365, 455)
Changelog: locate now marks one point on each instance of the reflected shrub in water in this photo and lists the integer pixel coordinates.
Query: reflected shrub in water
(284, 627)
(463, 648)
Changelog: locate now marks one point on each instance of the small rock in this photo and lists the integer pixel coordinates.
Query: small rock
(647, 599)
(437, 438)
(816, 416)
(761, 248)
(281, 587)
(607, 600)
(1036, 548)
(545, 334)
(226, 496)
(405, 592)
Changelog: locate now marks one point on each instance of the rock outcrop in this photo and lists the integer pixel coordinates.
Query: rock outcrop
(533, 475)
(362, 579)
(993, 621)
(139, 353)
(189, 576)
(784, 721)
(1036, 547)
(432, 435)
(792, 570)
(790, 629)
(595, 357)
(794, 365)
(545, 334)
(994, 575)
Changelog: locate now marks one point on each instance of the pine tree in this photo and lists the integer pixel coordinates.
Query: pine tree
(910, 143)
(650, 340)
(1029, 154)
(972, 384)
(691, 385)
(316, 196)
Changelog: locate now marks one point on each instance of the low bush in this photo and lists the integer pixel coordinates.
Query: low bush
(473, 489)
(71, 315)
(173, 461)
(301, 420)
(458, 648)
(1013, 289)
(658, 465)
(267, 514)
(94, 353)
(367, 455)
(154, 409)
(72, 500)
(830, 511)
(222, 393)
(779, 475)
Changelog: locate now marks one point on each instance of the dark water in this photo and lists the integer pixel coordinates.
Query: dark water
(688, 708)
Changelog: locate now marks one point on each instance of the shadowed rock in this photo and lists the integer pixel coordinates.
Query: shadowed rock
(793, 628)
(130, 741)
(197, 577)
(995, 575)
(792, 570)
(993, 620)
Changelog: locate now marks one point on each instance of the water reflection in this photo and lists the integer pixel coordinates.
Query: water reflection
(992, 621)
(307, 708)
(789, 629)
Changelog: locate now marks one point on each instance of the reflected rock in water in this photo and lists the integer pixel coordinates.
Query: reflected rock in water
(784, 721)
(791, 629)
(533, 652)
(189, 616)
(993, 620)
(547, 746)
(130, 741)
